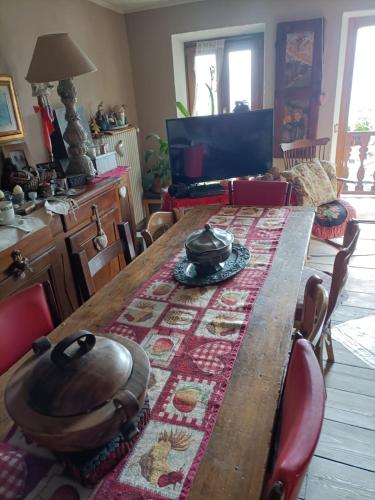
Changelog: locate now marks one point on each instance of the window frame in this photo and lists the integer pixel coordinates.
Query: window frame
(254, 42)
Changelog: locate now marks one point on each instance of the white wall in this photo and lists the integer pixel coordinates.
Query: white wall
(150, 39)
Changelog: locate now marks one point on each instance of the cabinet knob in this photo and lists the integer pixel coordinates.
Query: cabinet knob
(20, 265)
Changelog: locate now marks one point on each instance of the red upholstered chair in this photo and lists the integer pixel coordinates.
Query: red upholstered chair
(259, 193)
(301, 419)
(24, 317)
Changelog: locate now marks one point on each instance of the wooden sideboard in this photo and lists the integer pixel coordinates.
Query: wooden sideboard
(49, 249)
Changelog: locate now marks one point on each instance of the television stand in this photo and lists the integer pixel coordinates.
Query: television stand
(203, 190)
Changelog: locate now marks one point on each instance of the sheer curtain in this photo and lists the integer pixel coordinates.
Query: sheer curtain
(208, 65)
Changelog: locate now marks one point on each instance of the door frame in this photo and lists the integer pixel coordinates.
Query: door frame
(351, 42)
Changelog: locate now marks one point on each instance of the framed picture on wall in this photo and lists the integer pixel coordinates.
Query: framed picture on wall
(10, 118)
(299, 49)
(18, 153)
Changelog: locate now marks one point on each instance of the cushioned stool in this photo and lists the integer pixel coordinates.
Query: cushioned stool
(331, 219)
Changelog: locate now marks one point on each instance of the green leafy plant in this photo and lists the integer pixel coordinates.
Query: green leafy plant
(157, 163)
(363, 124)
(182, 109)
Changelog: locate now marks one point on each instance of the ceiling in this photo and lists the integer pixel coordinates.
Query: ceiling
(126, 6)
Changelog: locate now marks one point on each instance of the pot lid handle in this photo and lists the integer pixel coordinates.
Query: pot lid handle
(85, 341)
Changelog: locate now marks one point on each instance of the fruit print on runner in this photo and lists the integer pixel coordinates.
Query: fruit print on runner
(162, 458)
(182, 319)
(161, 349)
(250, 212)
(187, 400)
(160, 289)
(193, 296)
(221, 324)
(142, 313)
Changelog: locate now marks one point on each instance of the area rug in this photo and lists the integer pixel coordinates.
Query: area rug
(358, 336)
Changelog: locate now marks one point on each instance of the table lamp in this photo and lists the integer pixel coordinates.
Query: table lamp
(57, 57)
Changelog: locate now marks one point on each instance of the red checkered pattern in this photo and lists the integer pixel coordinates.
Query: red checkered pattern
(13, 472)
(208, 357)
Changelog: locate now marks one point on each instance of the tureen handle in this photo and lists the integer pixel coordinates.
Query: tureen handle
(41, 345)
(126, 401)
(85, 340)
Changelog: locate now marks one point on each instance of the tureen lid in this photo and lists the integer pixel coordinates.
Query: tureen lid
(80, 373)
(208, 239)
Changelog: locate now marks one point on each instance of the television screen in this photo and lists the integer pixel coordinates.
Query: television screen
(211, 148)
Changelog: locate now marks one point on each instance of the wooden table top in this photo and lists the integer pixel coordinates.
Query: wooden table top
(234, 463)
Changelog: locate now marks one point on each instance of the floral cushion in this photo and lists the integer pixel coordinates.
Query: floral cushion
(310, 184)
(331, 214)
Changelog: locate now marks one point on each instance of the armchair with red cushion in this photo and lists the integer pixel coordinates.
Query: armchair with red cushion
(333, 214)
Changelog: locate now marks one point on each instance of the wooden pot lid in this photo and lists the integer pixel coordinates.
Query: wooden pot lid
(81, 373)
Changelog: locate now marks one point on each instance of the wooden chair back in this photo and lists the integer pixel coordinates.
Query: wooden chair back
(87, 269)
(158, 224)
(24, 317)
(341, 265)
(314, 312)
(303, 150)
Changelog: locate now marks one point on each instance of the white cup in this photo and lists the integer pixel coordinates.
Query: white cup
(7, 214)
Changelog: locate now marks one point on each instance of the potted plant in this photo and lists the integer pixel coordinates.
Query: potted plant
(158, 173)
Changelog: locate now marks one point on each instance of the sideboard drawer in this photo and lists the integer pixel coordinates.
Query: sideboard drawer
(84, 213)
(29, 245)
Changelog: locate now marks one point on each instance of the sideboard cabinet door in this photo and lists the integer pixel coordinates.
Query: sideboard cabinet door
(44, 266)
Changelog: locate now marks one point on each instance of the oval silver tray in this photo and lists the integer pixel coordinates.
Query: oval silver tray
(186, 273)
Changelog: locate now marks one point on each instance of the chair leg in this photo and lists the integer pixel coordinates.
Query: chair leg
(319, 353)
(328, 342)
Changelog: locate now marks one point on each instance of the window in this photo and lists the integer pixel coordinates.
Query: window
(221, 72)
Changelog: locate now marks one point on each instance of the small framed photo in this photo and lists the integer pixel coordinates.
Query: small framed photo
(18, 153)
(11, 127)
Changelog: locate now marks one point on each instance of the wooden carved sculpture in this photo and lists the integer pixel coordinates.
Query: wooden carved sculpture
(74, 133)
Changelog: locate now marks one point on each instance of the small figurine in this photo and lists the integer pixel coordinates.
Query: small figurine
(100, 117)
(119, 112)
(94, 127)
(111, 117)
(122, 115)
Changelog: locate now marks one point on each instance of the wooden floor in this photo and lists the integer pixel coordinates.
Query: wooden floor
(344, 463)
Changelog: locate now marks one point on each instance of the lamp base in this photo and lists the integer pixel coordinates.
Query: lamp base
(81, 165)
(74, 135)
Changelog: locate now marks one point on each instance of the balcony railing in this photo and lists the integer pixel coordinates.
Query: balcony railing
(359, 163)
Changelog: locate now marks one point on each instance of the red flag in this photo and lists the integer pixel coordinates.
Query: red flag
(47, 125)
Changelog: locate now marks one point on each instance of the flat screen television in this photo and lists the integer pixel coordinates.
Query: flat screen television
(211, 148)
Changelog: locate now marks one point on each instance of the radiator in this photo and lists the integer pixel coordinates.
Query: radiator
(125, 145)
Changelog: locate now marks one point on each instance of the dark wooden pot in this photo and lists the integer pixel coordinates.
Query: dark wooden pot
(73, 398)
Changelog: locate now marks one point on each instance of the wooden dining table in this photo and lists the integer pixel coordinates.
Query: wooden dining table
(235, 460)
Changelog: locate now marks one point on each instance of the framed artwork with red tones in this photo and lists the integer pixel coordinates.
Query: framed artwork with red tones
(299, 50)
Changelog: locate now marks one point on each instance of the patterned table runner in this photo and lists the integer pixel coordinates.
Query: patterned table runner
(192, 337)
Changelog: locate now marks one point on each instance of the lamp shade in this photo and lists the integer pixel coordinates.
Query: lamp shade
(57, 57)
